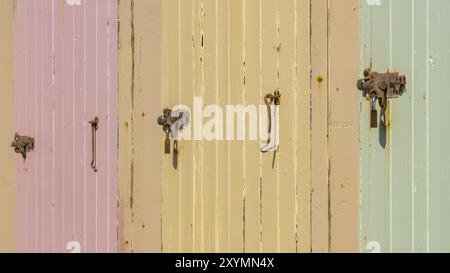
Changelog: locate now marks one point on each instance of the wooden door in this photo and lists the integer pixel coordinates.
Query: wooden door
(225, 195)
(65, 76)
(405, 185)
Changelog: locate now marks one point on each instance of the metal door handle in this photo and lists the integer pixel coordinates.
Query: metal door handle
(270, 99)
(94, 124)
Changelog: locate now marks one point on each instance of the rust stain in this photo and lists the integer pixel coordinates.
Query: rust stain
(143, 115)
(388, 116)
(319, 79)
(126, 124)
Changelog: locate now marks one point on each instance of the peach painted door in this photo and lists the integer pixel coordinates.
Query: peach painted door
(65, 76)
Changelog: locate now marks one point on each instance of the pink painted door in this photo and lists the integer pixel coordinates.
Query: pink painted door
(65, 76)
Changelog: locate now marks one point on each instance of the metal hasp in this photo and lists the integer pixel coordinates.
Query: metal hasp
(95, 125)
(168, 123)
(273, 129)
(23, 145)
(381, 87)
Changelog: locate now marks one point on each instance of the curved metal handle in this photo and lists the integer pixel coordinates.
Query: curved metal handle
(94, 124)
(272, 143)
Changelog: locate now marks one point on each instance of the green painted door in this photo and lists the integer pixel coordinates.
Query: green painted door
(405, 170)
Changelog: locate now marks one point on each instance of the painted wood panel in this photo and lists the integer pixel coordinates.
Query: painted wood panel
(140, 147)
(343, 125)
(65, 75)
(7, 180)
(404, 164)
(225, 195)
(335, 126)
(320, 194)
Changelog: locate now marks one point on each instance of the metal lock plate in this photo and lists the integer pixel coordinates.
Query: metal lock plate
(23, 145)
(167, 121)
(383, 86)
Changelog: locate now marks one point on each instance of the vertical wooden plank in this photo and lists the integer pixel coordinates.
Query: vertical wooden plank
(112, 112)
(146, 133)
(91, 74)
(42, 184)
(252, 86)
(106, 134)
(39, 148)
(439, 99)
(171, 98)
(210, 80)
(167, 217)
(270, 82)
(222, 10)
(125, 117)
(111, 73)
(287, 160)
(236, 152)
(401, 125)
(81, 164)
(7, 178)
(320, 155)
(344, 125)
(58, 200)
(303, 130)
(102, 140)
(376, 145)
(366, 56)
(198, 146)
(68, 116)
(32, 127)
(105, 81)
(47, 228)
(185, 158)
(419, 85)
(139, 136)
(380, 139)
(19, 124)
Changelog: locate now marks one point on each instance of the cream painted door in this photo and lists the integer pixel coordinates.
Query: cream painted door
(226, 195)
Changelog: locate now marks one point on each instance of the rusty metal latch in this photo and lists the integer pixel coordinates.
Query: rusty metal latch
(273, 129)
(94, 124)
(381, 87)
(23, 145)
(172, 122)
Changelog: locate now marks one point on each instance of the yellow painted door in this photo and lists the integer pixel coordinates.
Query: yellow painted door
(225, 195)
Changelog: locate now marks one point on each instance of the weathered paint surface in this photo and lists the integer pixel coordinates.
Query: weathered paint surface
(139, 136)
(225, 195)
(7, 185)
(335, 126)
(65, 75)
(343, 125)
(319, 131)
(405, 184)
